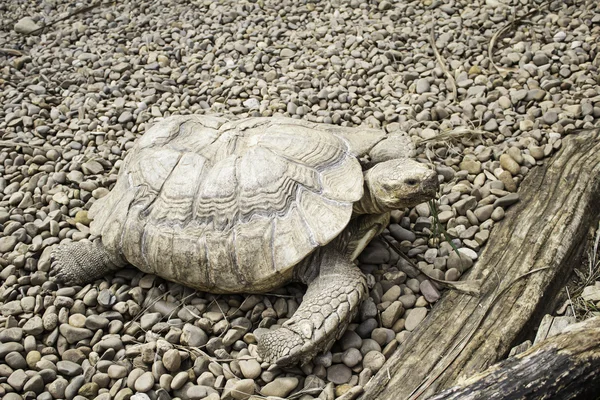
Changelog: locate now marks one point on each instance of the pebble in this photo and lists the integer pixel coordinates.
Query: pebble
(338, 374)
(172, 360)
(350, 339)
(68, 368)
(422, 86)
(399, 233)
(509, 164)
(281, 387)
(484, 213)
(352, 357)
(429, 291)
(26, 25)
(145, 382)
(414, 318)
(82, 126)
(471, 165)
(373, 360)
(243, 389)
(250, 368)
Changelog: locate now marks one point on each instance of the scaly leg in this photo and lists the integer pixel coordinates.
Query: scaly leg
(329, 304)
(82, 262)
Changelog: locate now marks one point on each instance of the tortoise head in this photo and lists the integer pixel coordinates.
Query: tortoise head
(396, 184)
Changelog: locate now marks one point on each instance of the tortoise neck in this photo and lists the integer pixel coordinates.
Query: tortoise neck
(368, 204)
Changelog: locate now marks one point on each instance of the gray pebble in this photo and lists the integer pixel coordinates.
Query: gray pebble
(414, 317)
(338, 374)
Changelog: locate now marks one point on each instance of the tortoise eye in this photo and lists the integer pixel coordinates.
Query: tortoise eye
(411, 182)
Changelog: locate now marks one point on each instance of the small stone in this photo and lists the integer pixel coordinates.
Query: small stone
(366, 327)
(34, 326)
(15, 360)
(116, 371)
(391, 314)
(591, 293)
(11, 335)
(468, 203)
(429, 291)
(125, 116)
(351, 357)
(382, 335)
(392, 294)
(32, 358)
(149, 320)
(509, 164)
(250, 368)
(92, 167)
(470, 164)
(243, 389)
(452, 274)
(559, 36)
(172, 360)
(507, 200)
(482, 236)
(540, 59)
(338, 374)
(26, 25)
(287, 53)
(89, 390)
(179, 380)
(34, 384)
(498, 214)
(95, 322)
(408, 300)
(193, 336)
(77, 320)
(536, 152)
(145, 382)
(281, 387)
(550, 117)
(373, 360)
(75, 355)
(58, 387)
(82, 217)
(17, 379)
(414, 318)
(484, 213)
(197, 392)
(422, 86)
(69, 368)
(73, 334)
(350, 339)
(374, 255)
(271, 75)
(7, 244)
(400, 234)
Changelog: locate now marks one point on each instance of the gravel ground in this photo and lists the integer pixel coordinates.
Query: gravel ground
(78, 94)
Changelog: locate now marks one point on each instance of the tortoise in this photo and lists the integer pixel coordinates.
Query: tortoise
(246, 206)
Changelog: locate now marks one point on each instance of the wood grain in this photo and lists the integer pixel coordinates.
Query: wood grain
(544, 232)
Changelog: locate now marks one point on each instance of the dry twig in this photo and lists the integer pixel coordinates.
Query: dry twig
(442, 62)
(503, 71)
(76, 12)
(11, 52)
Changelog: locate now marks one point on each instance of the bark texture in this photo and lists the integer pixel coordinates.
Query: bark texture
(561, 367)
(523, 267)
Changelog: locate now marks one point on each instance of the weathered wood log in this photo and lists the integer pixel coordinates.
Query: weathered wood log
(524, 265)
(564, 366)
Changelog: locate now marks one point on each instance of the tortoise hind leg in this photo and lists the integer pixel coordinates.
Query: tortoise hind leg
(329, 304)
(82, 262)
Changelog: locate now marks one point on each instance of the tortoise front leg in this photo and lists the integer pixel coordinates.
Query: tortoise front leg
(81, 262)
(330, 303)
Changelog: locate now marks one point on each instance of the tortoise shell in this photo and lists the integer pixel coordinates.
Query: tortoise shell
(232, 206)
